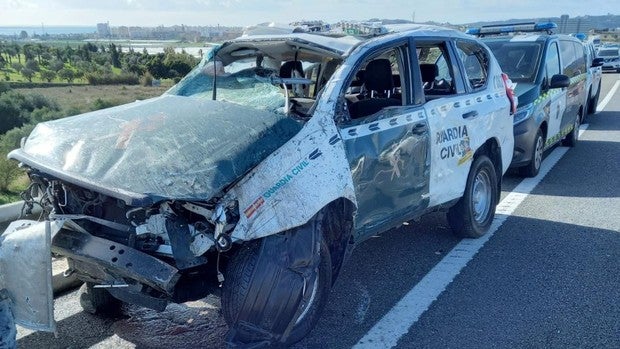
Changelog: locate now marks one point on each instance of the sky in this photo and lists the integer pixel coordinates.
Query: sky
(244, 13)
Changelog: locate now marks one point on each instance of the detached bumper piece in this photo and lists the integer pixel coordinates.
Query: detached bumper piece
(114, 260)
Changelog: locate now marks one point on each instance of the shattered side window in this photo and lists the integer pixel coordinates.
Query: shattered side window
(241, 82)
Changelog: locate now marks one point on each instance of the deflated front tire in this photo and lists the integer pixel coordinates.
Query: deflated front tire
(277, 287)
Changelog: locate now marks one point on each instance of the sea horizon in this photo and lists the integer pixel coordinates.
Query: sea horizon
(10, 30)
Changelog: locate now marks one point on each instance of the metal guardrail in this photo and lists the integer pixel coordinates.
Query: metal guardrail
(60, 283)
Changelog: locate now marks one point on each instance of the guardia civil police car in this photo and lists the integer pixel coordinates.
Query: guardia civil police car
(260, 171)
(550, 72)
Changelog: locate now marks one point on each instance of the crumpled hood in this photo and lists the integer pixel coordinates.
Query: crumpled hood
(168, 147)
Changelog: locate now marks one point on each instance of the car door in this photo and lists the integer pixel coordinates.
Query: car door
(386, 140)
(555, 105)
(573, 65)
(460, 117)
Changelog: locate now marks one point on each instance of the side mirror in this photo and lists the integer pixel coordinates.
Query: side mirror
(597, 62)
(559, 81)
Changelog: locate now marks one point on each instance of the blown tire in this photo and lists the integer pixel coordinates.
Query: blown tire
(241, 283)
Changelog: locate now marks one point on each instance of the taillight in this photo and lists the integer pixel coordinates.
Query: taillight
(510, 93)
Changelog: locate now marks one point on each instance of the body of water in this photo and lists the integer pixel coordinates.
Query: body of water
(52, 30)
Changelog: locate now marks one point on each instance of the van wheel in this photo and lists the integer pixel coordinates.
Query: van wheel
(533, 167)
(472, 215)
(571, 139)
(241, 283)
(98, 301)
(594, 101)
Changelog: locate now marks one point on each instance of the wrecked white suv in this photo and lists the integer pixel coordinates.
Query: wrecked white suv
(259, 172)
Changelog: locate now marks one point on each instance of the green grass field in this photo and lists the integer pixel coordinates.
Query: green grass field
(82, 97)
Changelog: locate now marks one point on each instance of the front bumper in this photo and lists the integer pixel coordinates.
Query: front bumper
(26, 267)
(611, 66)
(525, 135)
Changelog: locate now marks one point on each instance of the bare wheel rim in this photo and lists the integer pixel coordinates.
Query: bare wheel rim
(481, 197)
(538, 153)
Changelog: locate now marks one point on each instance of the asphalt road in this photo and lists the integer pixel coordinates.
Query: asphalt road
(547, 278)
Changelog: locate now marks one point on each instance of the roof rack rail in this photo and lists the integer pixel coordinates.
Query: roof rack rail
(526, 27)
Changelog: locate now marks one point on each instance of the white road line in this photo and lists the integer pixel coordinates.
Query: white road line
(396, 323)
(607, 98)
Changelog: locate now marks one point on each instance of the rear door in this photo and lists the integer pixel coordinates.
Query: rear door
(461, 117)
(573, 66)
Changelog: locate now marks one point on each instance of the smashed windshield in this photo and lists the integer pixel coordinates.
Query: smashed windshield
(520, 60)
(245, 82)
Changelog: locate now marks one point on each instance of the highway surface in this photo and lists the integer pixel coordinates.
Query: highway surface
(546, 276)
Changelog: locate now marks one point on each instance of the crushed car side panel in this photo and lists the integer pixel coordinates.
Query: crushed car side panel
(294, 183)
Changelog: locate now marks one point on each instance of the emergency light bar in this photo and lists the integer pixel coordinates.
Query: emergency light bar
(512, 28)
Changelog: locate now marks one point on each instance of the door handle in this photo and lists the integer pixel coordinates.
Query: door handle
(471, 114)
(419, 129)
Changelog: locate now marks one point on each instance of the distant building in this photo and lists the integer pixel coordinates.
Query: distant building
(569, 25)
(103, 30)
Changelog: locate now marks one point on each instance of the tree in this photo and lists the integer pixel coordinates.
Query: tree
(32, 65)
(47, 75)
(28, 73)
(29, 51)
(15, 50)
(10, 110)
(66, 74)
(156, 66)
(9, 169)
(4, 87)
(17, 66)
(115, 56)
(79, 74)
(46, 57)
(57, 64)
(23, 35)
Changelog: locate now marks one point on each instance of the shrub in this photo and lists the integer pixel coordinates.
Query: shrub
(110, 79)
(147, 79)
(104, 103)
(9, 171)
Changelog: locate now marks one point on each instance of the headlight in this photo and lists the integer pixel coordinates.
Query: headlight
(523, 113)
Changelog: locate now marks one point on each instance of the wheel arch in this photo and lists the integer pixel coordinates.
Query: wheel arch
(493, 151)
(337, 230)
(543, 128)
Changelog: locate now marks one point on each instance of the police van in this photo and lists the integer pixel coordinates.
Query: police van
(550, 73)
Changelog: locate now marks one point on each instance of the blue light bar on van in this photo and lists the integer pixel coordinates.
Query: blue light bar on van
(581, 36)
(512, 28)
